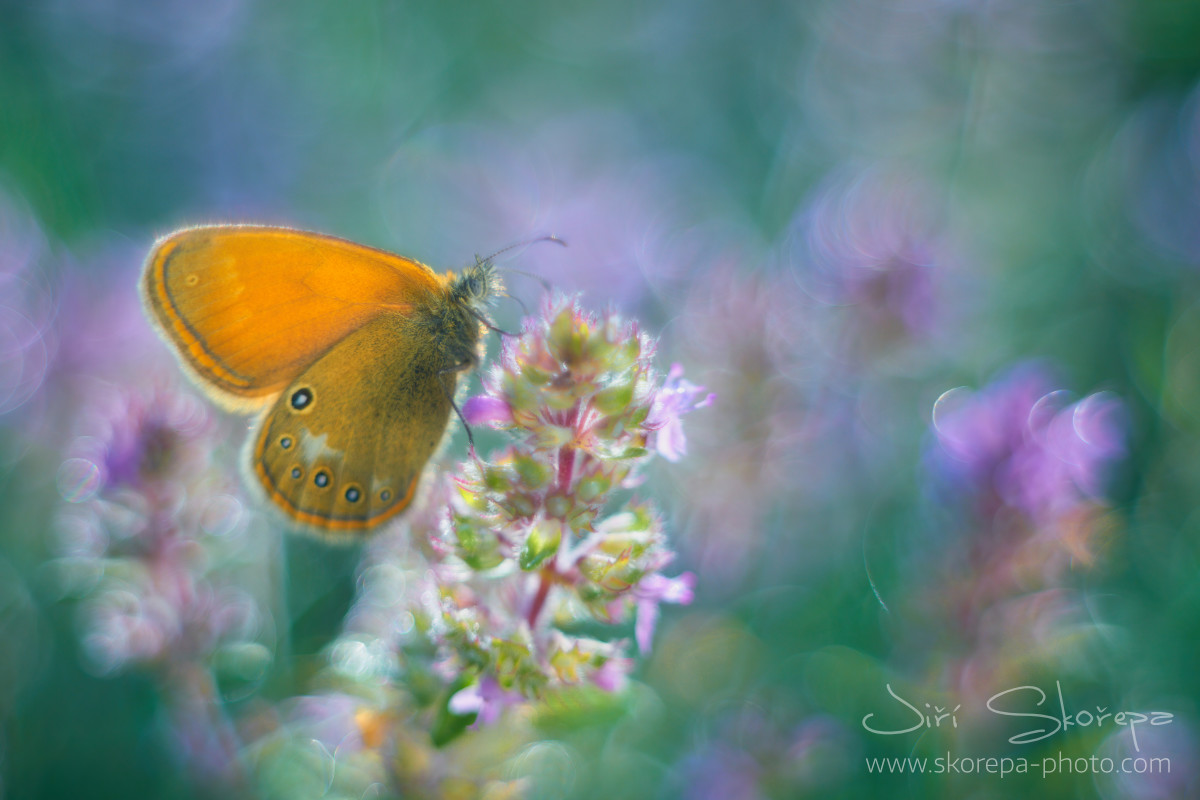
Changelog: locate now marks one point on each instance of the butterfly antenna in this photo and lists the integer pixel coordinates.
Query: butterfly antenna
(526, 243)
(520, 302)
(545, 283)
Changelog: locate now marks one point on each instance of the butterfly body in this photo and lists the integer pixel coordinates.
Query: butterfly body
(350, 355)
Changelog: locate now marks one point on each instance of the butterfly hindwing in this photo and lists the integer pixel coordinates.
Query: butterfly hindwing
(342, 449)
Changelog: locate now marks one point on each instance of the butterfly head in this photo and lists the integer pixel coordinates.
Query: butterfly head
(476, 287)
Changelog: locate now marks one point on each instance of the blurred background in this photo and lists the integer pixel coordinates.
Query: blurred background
(938, 261)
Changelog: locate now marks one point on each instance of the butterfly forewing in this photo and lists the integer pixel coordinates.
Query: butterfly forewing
(249, 307)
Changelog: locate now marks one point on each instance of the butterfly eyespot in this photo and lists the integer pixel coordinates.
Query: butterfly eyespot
(321, 479)
(385, 495)
(353, 494)
(285, 442)
(192, 280)
(302, 399)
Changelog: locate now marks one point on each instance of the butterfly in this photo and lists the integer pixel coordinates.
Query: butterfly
(350, 356)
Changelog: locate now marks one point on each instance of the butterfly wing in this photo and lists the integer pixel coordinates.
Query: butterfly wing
(248, 307)
(343, 447)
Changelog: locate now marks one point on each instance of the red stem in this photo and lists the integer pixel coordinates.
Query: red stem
(566, 473)
(566, 455)
(566, 468)
(539, 599)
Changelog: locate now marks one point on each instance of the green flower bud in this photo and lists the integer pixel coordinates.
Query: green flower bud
(541, 543)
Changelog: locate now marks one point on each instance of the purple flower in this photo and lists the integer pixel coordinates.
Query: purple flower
(1017, 443)
(613, 676)
(655, 589)
(674, 398)
(150, 522)
(135, 438)
(484, 409)
(539, 537)
(485, 698)
(871, 240)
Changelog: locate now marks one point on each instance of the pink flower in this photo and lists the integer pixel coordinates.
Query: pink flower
(485, 698)
(134, 438)
(872, 239)
(655, 589)
(1018, 443)
(674, 398)
(483, 409)
(543, 534)
(613, 676)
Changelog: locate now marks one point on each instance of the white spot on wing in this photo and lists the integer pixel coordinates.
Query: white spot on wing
(310, 448)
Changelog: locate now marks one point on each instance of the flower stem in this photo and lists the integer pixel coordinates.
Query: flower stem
(539, 599)
(566, 456)
(566, 468)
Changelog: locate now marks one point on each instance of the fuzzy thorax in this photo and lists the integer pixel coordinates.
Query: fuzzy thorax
(476, 287)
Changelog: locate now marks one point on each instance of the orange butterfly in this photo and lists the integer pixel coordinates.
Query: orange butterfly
(350, 355)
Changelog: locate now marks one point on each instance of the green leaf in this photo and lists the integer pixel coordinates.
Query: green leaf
(448, 726)
(533, 473)
(614, 399)
(541, 544)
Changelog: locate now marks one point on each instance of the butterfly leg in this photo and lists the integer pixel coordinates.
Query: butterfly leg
(490, 326)
(459, 368)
